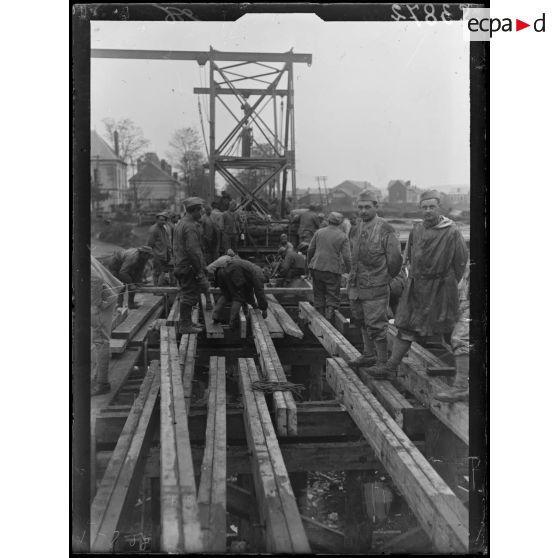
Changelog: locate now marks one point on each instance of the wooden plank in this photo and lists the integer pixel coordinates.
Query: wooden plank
(341, 322)
(276, 500)
(119, 316)
(118, 346)
(122, 477)
(174, 315)
(273, 326)
(437, 508)
(141, 334)
(212, 330)
(187, 358)
(243, 325)
(285, 321)
(212, 489)
(414, 377)
(336, 344)
(137, 317)
(283, 401)
(180, 524)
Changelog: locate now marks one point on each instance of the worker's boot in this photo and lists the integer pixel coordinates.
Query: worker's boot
(460, 389)
(218, 311)
(400, 349)
(186, 325)
(368, 358)
(381, 351)
(132, 305)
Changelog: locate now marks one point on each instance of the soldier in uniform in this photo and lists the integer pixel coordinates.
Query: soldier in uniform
(189, 264)
(160, 241)
(376, 260)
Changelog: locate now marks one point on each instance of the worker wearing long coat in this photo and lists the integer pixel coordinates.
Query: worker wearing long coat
(329, 256)
(159, 239)
(437, 257)
(189, 264)
(376, 260)
(309, 223)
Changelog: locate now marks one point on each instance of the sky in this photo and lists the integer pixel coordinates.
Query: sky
(380, 101)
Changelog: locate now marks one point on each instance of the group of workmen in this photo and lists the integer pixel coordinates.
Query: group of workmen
(426, 288)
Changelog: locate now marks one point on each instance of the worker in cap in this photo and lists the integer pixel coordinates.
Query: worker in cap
(436, 254)
(210, 235)
(292, 266)
(284, 242)
(308, 223)
(129, 267)
(376, 260)
(328, 257)
(189, 264)
(159, 238)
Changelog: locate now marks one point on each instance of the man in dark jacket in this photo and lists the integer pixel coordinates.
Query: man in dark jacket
(329, 256)
(189, 264)
(158, 238)
(129, 267)
(376, 253)
(210, 236)
(230, 229)
(241, 283)
(309, 223)
(437, 254)
(292, 267)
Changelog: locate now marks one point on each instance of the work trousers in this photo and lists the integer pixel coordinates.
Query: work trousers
(101, 324)
(327, 288)
(190, 288)
(372, 313)
(159, 268)
(460, 333)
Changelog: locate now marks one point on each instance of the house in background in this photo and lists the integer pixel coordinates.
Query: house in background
(108, 174)
(155, 186)
(402, 191)
(344, 196)
(311, 197)
(458, 197)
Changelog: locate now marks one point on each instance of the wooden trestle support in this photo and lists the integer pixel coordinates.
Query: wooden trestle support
(149, 427)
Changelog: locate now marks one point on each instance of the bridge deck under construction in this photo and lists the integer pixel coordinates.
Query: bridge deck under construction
(185, 441)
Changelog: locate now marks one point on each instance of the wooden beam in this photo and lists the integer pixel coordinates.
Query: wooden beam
(283, 401)
(180, 524)
(243, 325)
(212, 330)
(118, 346)
(273, 326)
(414, 377)
(437, 508)
(122, 477)
(212, 489)
(136, 318)
(336, 344)
(141, 334)
(187, 361)
(276, 500)
(285, 321)
(341, 323)
(174, 315)
(241, 91)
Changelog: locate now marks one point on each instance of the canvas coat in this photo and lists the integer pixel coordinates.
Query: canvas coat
(329, 250)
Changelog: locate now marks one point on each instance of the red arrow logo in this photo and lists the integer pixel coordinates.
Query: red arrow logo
(519, 25)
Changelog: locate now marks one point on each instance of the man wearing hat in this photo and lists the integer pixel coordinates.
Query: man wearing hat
(309, 223)
(292, 266)
(329, 255)
(189, 264)
(159, 239)
(376, 259)
(129, 267)
(437, 256)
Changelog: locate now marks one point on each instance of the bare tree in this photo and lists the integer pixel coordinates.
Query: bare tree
(131, 143)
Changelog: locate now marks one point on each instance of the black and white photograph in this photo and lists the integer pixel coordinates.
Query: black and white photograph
(280, 252)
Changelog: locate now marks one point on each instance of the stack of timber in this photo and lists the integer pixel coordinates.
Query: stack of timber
(285, 321)
(283, 401)
(276, 501)
(126, 330)
(125, 469)
(180, 522)
(440, 513)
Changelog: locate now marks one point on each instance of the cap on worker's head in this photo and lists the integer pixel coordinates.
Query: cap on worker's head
(368, 195)
(335, 218)
(231, 253)
(162, 214)
(191, 202)
(146, 249)
(430, 195)
(302, 247)
(283, 237)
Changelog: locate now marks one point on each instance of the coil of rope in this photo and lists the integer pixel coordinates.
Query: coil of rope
(267, 386)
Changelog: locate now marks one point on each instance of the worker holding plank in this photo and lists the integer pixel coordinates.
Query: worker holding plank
(376, 260)
(437, 256)
(189, 265)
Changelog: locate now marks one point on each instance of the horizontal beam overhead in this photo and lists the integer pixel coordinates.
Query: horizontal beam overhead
(201, 57)
(243, 91)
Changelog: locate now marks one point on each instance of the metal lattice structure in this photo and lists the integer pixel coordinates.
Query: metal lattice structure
(273, 160)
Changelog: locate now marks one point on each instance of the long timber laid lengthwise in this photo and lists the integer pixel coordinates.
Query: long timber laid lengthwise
(123, 474)
(438, 510)
(336, 345)
(180, 522)
(283, 401)
(212, 493)
(276, 501)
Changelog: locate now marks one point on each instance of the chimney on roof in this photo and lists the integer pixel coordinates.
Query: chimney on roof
(116, 149)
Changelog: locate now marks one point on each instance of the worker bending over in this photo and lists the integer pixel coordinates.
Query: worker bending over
(329, 255)
(189, 265)
(429, 305)
(129, 267)
(292, 266)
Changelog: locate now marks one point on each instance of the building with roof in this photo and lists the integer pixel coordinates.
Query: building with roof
(344, 196)
(155, 185)
(108, 174)
(402, 191)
